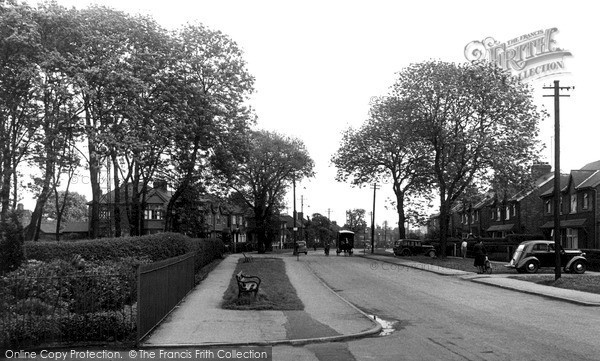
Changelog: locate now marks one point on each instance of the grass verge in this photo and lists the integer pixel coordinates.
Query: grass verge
(585, 283)
(545, 276)
(276, 291)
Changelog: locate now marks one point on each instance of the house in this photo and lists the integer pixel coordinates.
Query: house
(215, 218)
(495, 217)
(68, 230)
(579, 208)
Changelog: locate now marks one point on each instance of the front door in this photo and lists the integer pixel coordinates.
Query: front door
(572, 238)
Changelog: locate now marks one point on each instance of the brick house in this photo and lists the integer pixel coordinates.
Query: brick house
(218, 219)
(496, 218)
(579, 205)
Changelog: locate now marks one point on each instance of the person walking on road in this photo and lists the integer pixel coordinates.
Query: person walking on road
(480, 254)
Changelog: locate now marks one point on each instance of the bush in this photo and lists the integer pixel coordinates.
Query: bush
(206, 250)
(154, 247)
(11, 243)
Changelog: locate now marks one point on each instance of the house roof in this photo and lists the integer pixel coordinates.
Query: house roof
(592, 181)
(537, 184)
(66, 227)
(153, 196)
(564, 183)
(592, 166)
(579, 176)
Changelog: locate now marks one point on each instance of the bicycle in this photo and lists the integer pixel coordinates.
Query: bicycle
(487, 266)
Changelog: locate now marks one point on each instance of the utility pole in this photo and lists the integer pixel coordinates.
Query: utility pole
(375, 188)
(294, 229)
(556, 233)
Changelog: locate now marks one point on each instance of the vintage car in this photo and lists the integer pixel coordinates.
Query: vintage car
(409, 247)
(301, 248)
(531, 255)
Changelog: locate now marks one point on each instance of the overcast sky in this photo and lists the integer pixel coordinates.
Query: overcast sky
(318, 63)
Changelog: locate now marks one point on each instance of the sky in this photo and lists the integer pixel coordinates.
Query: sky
(319, 64)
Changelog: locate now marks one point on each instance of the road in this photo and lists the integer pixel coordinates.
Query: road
(446, 318)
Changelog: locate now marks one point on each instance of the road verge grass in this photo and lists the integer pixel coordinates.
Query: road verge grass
(585, 283)
(275, 293)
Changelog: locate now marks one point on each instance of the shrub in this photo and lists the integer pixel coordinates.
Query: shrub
(154, 247)
(11, 243)
(206, 250)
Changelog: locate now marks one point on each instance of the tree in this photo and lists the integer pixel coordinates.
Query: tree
(19, 46)
(270, 163)
(355, 220)
(11, 243)
(319, 228)
(58, 131)
(214, 85)
(386, 147)
(72, 205)
(478, 125)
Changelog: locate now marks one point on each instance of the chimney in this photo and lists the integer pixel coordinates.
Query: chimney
(540, 169)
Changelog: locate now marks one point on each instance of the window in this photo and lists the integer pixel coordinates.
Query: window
(548, 205)
(499, 213)
(514, 210)
(507, 213)
(493, 215)
(476, 216)
(573, 203)
(561, 205)
(585, 202)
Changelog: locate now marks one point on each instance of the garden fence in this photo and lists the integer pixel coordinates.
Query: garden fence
(161, 286)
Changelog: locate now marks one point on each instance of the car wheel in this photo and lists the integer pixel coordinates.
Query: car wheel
(406, 253)
(431, 254)
(578, 267)
(305, 253)
(531, 267)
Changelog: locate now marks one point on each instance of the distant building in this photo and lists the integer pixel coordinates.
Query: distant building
(217, 219)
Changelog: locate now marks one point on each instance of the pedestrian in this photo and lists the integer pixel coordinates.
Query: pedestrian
(480, 254)
(463, 248)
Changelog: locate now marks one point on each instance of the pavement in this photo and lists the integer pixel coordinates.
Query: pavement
(199, 321)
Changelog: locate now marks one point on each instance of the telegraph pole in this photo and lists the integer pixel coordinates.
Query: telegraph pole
(556, 232)
(375, 188)
(295, 229)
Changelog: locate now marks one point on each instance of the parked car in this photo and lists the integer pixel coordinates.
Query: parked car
(531, 255)
(409, 247)
(301, 247)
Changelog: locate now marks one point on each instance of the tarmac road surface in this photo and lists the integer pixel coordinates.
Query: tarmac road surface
(448, 318)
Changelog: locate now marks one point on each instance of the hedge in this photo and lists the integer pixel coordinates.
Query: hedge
(154, 247)
(85, 290)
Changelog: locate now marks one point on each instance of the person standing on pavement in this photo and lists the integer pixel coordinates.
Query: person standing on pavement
(480, 254)
(463, 248)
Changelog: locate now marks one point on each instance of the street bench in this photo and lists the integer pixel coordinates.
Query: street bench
(247, 284)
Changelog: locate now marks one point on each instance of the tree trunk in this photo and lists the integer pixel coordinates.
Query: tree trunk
(401, 214)
(117, 200)
(5, 186)
(33, 232)
(444, 225)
